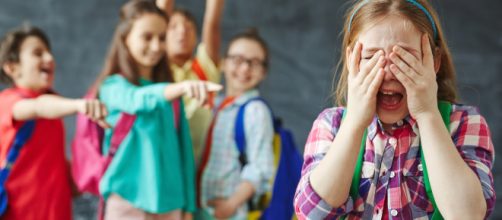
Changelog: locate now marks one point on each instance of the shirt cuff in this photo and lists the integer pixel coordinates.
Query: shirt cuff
(310, 204)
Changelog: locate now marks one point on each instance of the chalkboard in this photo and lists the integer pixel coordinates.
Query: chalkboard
(304, 41)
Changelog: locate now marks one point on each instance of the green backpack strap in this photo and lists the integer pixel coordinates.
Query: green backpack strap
(356, 178)
(445, 110)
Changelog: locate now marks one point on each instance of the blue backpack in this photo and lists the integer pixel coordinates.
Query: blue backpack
(277, 204)
(20, 139)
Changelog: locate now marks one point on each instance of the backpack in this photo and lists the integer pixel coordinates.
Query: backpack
(88, 162)
(445, 110)
(22, 136)
(277, 204)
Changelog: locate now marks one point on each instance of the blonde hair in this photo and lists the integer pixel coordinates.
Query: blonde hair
(371, 11)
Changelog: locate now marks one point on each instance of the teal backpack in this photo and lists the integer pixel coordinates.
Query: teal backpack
(445, 110)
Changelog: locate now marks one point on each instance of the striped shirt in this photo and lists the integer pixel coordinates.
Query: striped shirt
(392, 172)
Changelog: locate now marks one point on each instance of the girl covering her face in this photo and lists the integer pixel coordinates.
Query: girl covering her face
(396, 67)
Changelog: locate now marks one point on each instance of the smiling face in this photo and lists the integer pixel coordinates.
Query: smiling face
(146, 41)
(35, 69)
(390, 31)
(181, 37)
(244, 66)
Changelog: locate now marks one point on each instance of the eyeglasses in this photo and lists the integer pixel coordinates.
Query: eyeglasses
(253, 63)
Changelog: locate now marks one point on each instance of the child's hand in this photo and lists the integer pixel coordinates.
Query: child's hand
(363, 85)
(95, 110)
(223, 208)
(199, 90)
(418, 78)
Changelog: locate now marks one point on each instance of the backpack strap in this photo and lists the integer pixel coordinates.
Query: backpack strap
(356, 178)
(22, 136)
(240, 135)
(122, 128)
(445, 110)
(20, 140)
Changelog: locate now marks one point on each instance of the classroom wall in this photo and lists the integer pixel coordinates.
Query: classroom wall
(304, 41)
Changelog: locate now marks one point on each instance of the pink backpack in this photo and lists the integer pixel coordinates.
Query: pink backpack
(88, 162)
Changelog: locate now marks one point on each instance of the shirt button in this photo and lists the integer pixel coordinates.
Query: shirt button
(399, 123)
(392, 174)
(393, 212)
(420, 168)
(393, 141)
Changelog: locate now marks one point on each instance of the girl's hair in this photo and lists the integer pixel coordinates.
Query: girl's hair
(10, 46)
(251, 34)
(369, 12)
(119, 59)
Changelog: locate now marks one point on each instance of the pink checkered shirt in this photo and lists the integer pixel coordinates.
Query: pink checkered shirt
(392, 169)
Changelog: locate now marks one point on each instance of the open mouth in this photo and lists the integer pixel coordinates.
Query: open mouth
(389, 100)
(46, 70)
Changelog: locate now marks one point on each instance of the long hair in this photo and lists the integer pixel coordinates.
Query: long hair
(10, 46)
(369, 12)
(119, 59)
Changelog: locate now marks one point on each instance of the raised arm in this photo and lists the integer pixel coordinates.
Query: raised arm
(211, 29)
(166, 5)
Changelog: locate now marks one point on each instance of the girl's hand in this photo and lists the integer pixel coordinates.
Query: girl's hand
(95, 110)
(223, 208)
(418, 78)
(199, 90)
(363, 85)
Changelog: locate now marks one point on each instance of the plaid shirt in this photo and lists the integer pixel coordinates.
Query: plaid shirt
(391, 171)
(223, 172)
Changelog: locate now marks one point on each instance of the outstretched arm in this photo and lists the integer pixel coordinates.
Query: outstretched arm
(54, 106)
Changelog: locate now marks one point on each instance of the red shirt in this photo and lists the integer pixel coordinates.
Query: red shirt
(38, 186)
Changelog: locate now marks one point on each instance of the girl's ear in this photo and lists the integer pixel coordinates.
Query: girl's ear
(437, 59)
(10, 68)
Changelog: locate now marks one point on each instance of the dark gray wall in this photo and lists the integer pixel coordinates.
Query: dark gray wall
(304, 41)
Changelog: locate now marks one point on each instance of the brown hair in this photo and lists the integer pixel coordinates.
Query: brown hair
(187, 15)
(10, 46)
(119, 59)
(370, 12)
(251, 34)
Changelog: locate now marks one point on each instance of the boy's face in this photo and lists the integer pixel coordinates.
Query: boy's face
(35, 69)
(146, 41)
(181, 36)
(392, 30)
(244, 66)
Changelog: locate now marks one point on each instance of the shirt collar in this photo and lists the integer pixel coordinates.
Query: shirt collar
(28, 93)
(377, 126)
(186, 67)
(241, 99)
